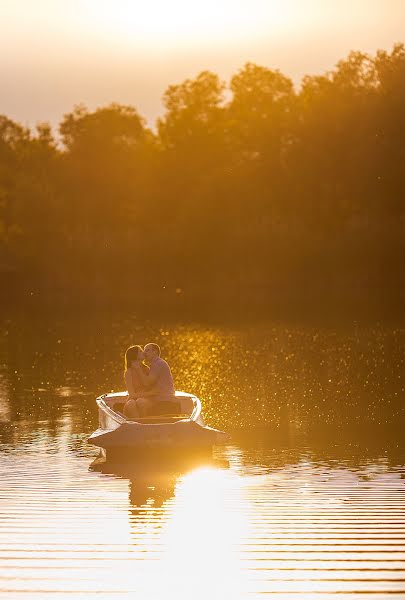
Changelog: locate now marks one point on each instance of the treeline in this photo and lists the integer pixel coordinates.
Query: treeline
(253, 193)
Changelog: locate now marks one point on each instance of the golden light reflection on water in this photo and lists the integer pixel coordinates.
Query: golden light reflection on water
(250, 376)
(266, 515)
(226, 527)
(205, 526)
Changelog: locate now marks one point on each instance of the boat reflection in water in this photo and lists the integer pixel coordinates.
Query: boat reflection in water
(182, 519)
(153, 475)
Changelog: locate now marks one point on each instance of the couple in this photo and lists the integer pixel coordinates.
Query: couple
(147, 384)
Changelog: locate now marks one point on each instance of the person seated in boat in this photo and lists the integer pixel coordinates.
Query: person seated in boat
(158, 381)
(134, 366)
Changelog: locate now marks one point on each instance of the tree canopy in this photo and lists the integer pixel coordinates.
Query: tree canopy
(252, 189)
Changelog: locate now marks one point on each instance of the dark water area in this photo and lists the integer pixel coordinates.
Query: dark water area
(307, 500)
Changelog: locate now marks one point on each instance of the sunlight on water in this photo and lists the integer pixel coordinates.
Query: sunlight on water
(306, 502)
(226, 528)
(203, 533)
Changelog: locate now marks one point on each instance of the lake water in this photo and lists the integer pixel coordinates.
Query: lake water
(307, 501)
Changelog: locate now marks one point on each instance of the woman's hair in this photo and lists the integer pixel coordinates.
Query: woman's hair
(131, 354)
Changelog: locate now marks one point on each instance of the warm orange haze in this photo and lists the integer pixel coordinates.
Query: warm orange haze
(249, 193)
(57, 53)
(202, 343)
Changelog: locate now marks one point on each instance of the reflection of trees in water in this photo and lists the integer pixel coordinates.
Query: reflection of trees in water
(271, 449)
(45, 366)
(294, 377)
(152, 483)
(54, 366)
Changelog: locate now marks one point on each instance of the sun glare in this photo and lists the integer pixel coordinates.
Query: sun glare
(161, 23)
(205, 529)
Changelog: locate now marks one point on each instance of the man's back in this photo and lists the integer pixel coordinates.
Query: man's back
(160, 372)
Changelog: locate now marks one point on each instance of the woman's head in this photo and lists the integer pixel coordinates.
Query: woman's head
(132, 354)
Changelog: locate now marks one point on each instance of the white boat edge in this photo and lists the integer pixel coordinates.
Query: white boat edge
(186, 429)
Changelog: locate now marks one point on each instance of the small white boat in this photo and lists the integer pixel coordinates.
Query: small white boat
(181, 426)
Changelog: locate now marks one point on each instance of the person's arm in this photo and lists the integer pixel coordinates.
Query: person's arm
(130, 385)
(148, 379)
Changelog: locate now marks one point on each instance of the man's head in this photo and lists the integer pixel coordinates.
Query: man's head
(151, 351)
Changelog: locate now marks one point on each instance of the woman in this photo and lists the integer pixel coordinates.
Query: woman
(133, 362)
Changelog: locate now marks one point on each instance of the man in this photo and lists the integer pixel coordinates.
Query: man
(158, 382)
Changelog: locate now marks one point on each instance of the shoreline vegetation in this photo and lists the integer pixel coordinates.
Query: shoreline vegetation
(248, 197)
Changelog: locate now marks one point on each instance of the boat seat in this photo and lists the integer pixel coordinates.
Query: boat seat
(160, 419)
(164, 407)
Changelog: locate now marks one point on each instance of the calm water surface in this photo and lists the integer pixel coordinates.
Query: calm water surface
(307, 501)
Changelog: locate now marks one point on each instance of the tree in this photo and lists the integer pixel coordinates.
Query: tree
(194, 113)
(104, 161)
(390, 69)
(13, 142)
(260, 113)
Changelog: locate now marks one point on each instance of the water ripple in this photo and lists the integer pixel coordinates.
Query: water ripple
(294, 530)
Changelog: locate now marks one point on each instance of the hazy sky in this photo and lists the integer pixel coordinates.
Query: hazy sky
(57, 53)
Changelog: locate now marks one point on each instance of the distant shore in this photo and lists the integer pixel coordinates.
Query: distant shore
(303, 305)
(266, 201)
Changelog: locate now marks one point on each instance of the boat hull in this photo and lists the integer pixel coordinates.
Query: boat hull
(119, 438)
(175, 435)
